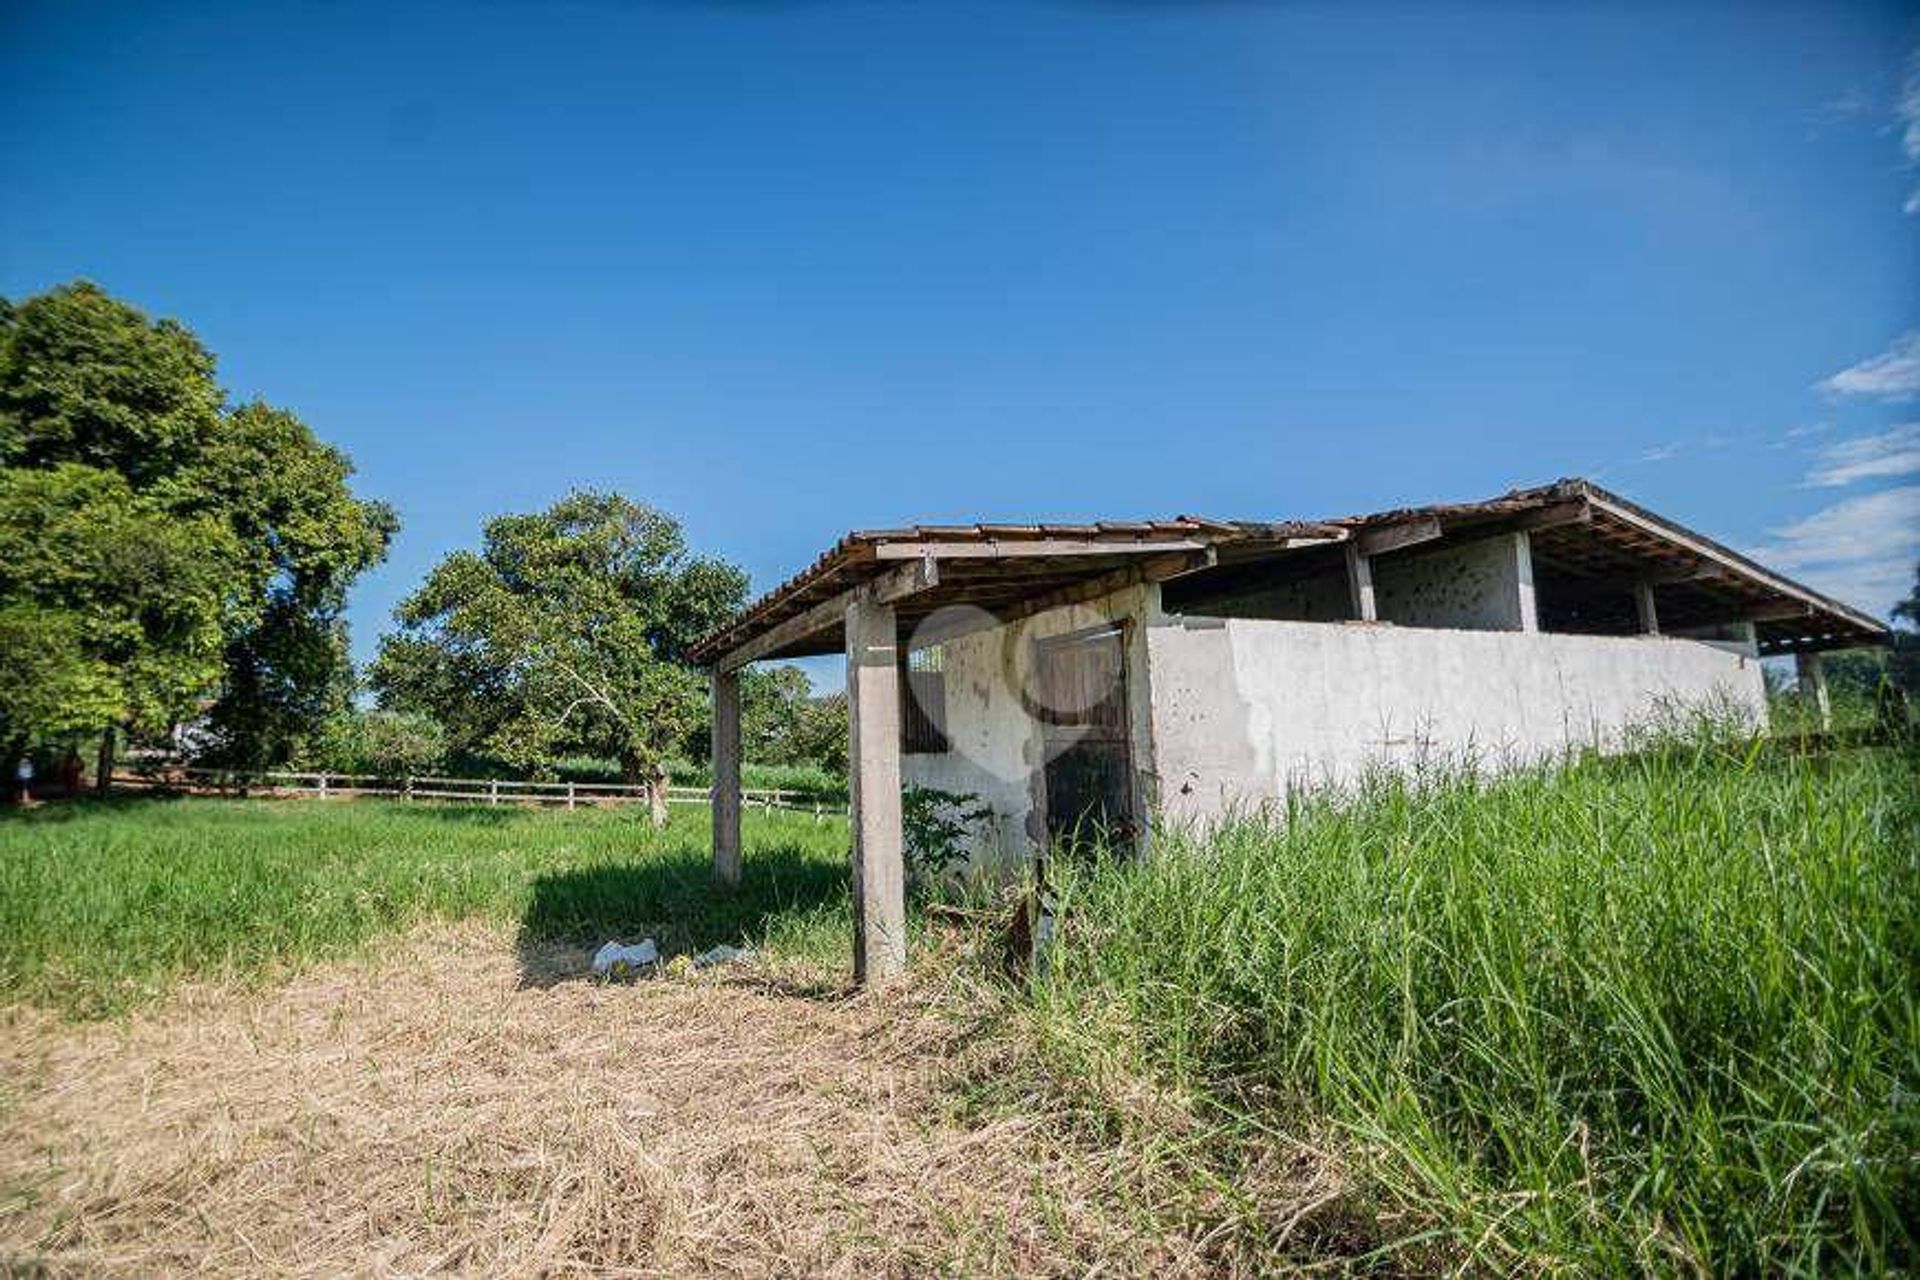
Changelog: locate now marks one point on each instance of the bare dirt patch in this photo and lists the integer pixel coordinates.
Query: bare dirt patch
(432, 1109)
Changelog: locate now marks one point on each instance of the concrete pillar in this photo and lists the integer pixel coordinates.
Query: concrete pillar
(1360, 584)
(1813, 686)
(1523, 574)
(1643, 605)
(873, 767)
(726, 777)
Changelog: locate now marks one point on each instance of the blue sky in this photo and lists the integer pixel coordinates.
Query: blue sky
(789, 269)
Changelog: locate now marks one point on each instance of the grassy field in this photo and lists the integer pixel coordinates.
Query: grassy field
(1649, 1015)
(105, 904)
(1657, 1014)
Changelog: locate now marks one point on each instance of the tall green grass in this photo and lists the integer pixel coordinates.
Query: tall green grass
(103, 905)
(1658, 1014)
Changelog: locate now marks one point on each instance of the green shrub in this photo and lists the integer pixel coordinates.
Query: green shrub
(381, 744)
(935, 828)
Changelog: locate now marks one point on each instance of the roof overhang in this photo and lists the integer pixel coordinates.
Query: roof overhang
(1584, 539)
(1004, 570)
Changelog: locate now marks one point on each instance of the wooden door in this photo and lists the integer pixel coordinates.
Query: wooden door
(1089, 762)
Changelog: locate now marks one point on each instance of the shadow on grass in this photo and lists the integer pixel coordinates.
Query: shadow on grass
(672, 899)
(476, 813)
(68, 808)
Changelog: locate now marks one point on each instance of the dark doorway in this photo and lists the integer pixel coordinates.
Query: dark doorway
(1089, 762)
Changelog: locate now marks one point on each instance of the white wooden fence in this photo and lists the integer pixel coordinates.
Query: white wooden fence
(344, 786)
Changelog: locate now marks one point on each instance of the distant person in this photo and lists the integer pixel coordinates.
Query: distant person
(23, 780)
(72, 773)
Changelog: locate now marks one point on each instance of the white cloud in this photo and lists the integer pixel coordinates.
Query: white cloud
(1659, 453)
(1862, 550)
(1846, 106)
(1891, 453)
(1906, 111)
(1894, 374)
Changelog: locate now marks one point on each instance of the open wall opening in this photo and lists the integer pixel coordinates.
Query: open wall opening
(1300, 586)
(1479, 584)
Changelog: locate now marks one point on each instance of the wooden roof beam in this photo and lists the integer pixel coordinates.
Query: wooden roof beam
(899, 583)
(1626, 583)
(1738, 566)
(1158, 568)
(1393, 537)
(1551, 516)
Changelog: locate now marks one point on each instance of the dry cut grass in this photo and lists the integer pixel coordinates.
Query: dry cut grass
(452, 1104)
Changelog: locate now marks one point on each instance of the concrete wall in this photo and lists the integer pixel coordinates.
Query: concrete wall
(1476, 586)
(995, 746)
(1242, 709)
(1228, 711)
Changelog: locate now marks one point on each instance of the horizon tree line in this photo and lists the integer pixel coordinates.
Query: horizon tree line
(170, 558)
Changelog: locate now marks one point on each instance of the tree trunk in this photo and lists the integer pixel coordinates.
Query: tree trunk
(103, 767)
(10, 760)
(657, 796)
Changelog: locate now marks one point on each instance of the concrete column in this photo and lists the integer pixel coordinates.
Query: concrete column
(873, 767)
(1643, 604)
(1360, 584)
(1813, 686)
(1523, 576)
(726, 777)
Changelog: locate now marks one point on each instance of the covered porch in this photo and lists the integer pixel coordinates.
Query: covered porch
(875, 595)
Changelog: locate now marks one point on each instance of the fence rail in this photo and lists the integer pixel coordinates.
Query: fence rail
(347, 786)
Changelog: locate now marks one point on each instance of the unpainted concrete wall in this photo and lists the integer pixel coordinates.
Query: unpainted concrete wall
(1244, 709)
(996, 750)
(1474, 586)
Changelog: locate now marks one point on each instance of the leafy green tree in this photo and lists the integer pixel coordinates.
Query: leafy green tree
(782, 722)
(821, 736)
(306, 538)
(381, 744)
(115, 610)
(200, 553)
(89, 380)
(566, 633)
(772, 704)
(1903, 662)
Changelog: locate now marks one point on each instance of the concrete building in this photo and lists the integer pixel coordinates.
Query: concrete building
(1085, 678)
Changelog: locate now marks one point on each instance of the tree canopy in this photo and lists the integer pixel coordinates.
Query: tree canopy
(1904, 660)
(161, 553)
(782, 721)
(566, 633)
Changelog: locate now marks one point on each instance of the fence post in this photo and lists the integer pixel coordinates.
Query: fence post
(493, 791)
(322, 779)
(569, 793)
(407, 794)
